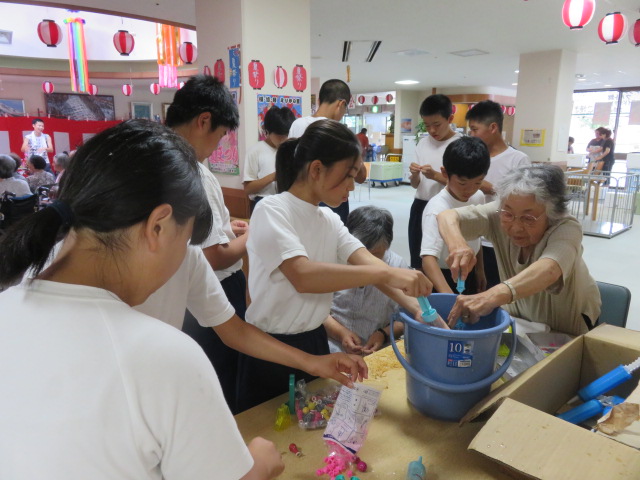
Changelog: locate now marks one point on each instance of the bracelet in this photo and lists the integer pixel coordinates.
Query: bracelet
(512, 290)
(384, 334)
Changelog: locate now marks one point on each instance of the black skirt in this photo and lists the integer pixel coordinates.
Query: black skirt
(259, 381)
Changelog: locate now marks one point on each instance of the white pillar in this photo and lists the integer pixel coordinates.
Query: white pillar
(277, 32)
(544, 102)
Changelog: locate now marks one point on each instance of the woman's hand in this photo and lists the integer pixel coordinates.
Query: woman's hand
(267, 461)
(412, 282)
(374, 343)
(351, 342)
(438, 322)
(344, 368)
(461, 261)
(471, 307)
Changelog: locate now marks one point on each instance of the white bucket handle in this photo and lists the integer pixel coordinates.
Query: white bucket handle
(464, 388)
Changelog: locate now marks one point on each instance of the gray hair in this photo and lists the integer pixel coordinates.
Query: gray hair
(545, 182)
(371, 225)
(7, 166)
(62, 160)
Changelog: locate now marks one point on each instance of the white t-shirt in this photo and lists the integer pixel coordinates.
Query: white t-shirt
(221, 230)
(429, 152)
(282, 227)
(93, 389)
(300, 125)
(432, 243)
(502, 164)
(260, 162)
(193, 286)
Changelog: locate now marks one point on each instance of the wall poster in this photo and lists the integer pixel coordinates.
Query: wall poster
(225, 158)
(530, 137)
(265, 102)
(235, 78)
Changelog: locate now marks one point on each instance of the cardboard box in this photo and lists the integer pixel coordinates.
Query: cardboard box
(524, 435)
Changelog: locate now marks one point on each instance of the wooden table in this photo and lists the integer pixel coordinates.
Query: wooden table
(397, 436)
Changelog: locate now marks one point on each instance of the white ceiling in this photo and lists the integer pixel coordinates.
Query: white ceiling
(503, 28)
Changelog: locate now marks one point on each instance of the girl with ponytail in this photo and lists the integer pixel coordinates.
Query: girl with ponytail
(89, 384)
(300, 253)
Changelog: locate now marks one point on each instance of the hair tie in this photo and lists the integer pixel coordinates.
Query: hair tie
(64, 210)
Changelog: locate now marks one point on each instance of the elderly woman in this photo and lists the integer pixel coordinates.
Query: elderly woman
(61, 162)
(539, 252)
(39, 176)
(7, 182)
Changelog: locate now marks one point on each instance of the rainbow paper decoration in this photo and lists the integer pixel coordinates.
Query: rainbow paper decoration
(78, 69)
(168, 47)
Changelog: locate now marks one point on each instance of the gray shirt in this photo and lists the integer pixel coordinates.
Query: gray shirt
(363, 310)
(13, 185)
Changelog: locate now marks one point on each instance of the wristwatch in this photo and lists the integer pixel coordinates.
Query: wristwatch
(384, 334)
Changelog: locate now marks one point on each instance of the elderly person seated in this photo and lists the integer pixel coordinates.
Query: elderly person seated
(39, 176)
(539, 252)
(7, 182)
(61, 162)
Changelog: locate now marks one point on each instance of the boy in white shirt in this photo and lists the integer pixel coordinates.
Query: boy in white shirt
(465, 164)
(260, 164)
(437, 114)
(485, 122)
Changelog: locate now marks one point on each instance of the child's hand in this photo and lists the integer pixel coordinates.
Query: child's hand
(428, 171)
(239, 227)
(351, 343)
(438, 322)
(267, 461)
(411, 282)
(414, 168)
(344, 368)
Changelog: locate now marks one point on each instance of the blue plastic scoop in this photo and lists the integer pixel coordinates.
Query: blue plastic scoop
(460, 325)
(429, 314)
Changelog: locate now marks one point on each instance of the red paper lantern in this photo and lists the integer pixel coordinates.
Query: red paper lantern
(634, 34)
(256, 74)
(93, 89)
(299, 78)
(471, 105)
(124, 42)
(577, 13)
(511, 111)
(612, 27)
(361, 99)
(206, 70)
(280, 77)
(503, 108)
(154, 88)
(180, 85)
(454, 109)
(188, 52)
(127, 89)
(389, 98)
(49, 33)
(219, 70)
(47, 87)
(374, 99)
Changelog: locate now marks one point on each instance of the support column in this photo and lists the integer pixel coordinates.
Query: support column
(544, 102)
(277, 33)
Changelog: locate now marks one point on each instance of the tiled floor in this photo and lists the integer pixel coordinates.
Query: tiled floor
(612, 260)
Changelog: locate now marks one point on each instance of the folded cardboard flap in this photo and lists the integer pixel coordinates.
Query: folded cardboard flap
(552, 382)
(542, 446)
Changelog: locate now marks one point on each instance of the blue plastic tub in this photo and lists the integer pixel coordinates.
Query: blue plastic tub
(449, 371)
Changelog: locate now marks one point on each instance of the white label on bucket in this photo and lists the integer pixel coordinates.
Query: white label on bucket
(460, 354)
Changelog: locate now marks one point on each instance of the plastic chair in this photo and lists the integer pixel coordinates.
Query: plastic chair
(615, 304)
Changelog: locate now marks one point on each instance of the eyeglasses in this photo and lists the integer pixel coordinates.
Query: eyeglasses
(527, 220)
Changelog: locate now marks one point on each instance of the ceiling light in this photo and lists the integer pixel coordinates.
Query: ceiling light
(580, 76)
(407, 82)
(582, 79)
(374, 49)
(516, 71)
(412, 52)
(469, 53)
(608, 85)
(515, 84)
(346, 50)
(5, 37)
